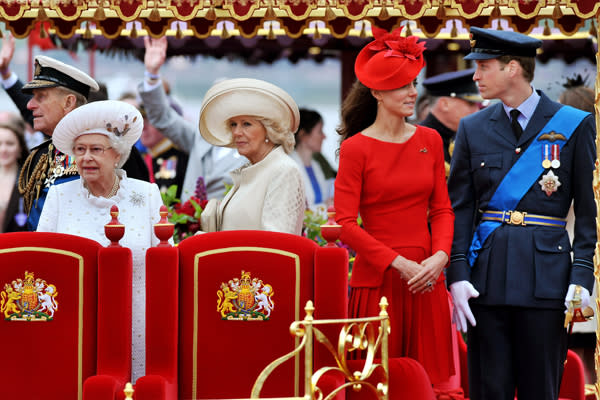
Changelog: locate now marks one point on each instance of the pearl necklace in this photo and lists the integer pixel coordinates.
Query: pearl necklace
(114, 189)
(112, 192)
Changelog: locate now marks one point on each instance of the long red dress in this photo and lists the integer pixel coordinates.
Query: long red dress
(398, 188)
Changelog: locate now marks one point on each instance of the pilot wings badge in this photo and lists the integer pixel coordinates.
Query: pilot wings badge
(30, 299)
(245, 299)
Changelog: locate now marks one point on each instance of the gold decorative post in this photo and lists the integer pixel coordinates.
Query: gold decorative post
(128, 391)
(596, 183)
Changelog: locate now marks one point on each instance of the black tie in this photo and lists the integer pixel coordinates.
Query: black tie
(514, 122)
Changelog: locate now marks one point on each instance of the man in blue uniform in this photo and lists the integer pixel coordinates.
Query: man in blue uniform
(516, 167)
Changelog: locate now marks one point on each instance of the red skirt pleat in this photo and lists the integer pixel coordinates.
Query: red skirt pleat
(420, 323)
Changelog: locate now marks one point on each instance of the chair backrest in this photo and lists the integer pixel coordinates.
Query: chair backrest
(239, 293)
(48, 292)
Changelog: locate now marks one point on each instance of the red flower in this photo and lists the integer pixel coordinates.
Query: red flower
(395, 44)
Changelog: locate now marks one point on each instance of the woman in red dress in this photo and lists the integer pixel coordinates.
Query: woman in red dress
(392, 174)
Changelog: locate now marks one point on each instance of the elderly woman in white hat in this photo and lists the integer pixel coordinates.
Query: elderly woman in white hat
(99, 136)
(258, 119)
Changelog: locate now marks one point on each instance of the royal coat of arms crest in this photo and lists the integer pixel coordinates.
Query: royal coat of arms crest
(245, 298)
(28, 299)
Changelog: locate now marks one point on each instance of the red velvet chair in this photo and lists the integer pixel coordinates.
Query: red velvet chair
(226, 334)
(162, 318)
(49, 321)
(113, 369)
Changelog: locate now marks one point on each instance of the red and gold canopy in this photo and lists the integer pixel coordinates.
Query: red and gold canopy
(250, 18)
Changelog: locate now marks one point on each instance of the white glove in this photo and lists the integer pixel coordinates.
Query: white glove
(585, 296)
(461, 292)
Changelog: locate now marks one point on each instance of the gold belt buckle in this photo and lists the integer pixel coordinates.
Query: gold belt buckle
(517, 218)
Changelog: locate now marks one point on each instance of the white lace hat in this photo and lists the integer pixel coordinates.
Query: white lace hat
(244, 96)
(120, 121)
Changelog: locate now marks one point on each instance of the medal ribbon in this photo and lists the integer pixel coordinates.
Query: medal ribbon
(523, 174)
(555, 152)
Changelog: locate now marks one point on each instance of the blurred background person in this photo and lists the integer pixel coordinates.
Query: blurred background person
(583, 337)
(392, 174)
(165, 162)
(258, 119)
(13, 152)
(309, 138)
(100, 136)
(422, 107)
(453, 95)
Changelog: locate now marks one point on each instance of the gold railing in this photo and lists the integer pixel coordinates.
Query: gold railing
(366, 335)
(369, 336)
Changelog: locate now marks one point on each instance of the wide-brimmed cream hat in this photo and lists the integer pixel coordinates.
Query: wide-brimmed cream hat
(120, 121)
(244, 96)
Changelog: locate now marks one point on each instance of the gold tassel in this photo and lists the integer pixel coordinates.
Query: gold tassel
(211, 15)
(178, 32)
(224, 33)
(454, 30)
(383, 14)
(87, 34)
(408, 30)
(133, 34)
(99, 14)
(557, 12)
(593, 31)
(547, 31)
(496, 13)
(363, 31)
(271, 34)
(329, 14)
(441, 12)
(42, 14)
(270, 13)
(317, 34)
(154, 14)
(43, 33)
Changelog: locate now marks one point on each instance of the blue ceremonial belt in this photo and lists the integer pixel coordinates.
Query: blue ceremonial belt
(523, 218)
(523, 174)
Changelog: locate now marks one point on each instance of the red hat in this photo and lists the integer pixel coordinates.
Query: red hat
(390, 61)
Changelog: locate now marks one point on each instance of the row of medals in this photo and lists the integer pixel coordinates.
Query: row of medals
(551, 159)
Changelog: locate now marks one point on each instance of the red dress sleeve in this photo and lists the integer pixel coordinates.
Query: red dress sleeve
(348, 190)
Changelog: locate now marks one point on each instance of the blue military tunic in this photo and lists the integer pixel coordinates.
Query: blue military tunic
(530, 265)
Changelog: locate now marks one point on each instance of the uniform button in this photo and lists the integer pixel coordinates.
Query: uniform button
(483, 163)
(559, 247)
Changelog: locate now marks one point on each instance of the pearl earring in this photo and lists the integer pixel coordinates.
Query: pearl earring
(267, 140)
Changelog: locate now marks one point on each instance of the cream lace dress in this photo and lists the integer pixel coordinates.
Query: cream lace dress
(70, 208)
(268, 196)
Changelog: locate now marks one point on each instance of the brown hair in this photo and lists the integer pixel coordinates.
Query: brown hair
(359, 110)
(17, 126)
(581, 97)
(527, 63)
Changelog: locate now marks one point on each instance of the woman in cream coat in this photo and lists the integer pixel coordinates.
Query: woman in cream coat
(258, 119)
